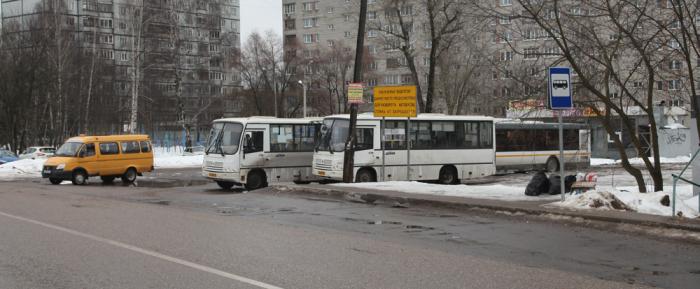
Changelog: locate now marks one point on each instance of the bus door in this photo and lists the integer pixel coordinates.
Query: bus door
(253, 148)
(364, 150)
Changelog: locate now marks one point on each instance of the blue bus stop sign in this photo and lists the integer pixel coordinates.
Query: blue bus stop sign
(560, 88)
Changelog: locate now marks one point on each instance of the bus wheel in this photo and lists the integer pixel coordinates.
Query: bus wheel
(79, 177)
(225, 185)
(130, 176)
(256, 180)
(552, 164)
(365, 176)
(448, 175)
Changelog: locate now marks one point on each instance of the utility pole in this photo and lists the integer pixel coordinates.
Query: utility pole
(349, 157)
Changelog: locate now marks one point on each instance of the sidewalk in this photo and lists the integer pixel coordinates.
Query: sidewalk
(395, 198)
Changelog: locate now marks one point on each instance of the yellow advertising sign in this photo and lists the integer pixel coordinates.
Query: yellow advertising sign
(395, 101)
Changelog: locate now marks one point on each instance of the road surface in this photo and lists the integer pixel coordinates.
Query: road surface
(200, 237)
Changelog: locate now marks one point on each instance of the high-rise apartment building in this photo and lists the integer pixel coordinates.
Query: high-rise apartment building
(177, 57)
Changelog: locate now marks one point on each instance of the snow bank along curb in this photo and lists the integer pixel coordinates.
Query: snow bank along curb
(398, 199)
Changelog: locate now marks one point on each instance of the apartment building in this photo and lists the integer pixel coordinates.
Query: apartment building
(177, 55)
(499, 56)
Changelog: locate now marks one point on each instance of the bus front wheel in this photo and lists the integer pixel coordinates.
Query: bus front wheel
(256, 180)
(365, 176)
(552, 164)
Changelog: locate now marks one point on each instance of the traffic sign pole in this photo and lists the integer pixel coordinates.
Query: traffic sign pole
(560, 98)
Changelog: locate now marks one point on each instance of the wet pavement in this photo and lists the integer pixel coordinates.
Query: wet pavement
(533, 242)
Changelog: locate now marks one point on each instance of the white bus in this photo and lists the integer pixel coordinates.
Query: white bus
(256, 151)
(443, 148)
(533, 145)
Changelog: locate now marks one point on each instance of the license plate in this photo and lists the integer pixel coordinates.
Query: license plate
(47, 171)
(213, 175)
(321, 173)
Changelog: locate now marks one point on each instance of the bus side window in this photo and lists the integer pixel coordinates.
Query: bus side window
(253, 142)
(365, 139)
(88, 150)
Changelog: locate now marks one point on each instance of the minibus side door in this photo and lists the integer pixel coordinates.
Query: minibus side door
(87, 158)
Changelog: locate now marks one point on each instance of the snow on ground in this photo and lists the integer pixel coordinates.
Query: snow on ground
(26, 168)
(493, 192)
(629, 198)
(172, 158)
(639, 161)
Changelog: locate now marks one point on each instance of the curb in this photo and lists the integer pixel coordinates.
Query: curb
(403, 201)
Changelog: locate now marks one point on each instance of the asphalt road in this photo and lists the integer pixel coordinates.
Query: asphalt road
(200, 237)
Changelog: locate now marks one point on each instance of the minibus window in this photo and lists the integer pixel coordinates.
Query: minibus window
(145, 147)
(131, 147)
(89, 150)
(230, 138)
(109, 148)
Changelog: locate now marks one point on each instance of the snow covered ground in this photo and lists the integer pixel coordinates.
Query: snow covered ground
(639, 161)
(493, 192)
(629, 198)
(163, 159)
(605, 198)
(173, 158)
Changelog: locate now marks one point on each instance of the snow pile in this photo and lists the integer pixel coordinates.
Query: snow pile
(26, 168)
(631, 200)
(492, 192)
(639, 161)
(171, 158)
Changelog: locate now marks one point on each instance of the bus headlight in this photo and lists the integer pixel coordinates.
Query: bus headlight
(61, 167)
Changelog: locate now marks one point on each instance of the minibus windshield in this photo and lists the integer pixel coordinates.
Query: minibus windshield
(69, 149)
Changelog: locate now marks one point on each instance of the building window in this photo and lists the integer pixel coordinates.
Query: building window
(330, 10)
(309, 6)
(310, 22)
(530, 53)
(308, 38)
(506, 2)
(289, 8)
(659, 85)
(504, 20)
(372, 33)
(372, 15)
(674, 84)
(290, 24)
(506, 55)
(331, 27)
(675, 64)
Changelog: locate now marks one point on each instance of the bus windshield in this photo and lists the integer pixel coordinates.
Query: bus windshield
(225, 138)
(334, 135)
(69, 149)
(214, 137)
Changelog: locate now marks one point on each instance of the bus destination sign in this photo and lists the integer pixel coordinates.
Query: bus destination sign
(395, 101)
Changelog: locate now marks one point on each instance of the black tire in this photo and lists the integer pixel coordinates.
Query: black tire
(365, 176)
(79, 178)
(552, 164)
(129, 176)
(448, 176)
(225, 185)
(55, 181)
(256, 180)
(108, 180)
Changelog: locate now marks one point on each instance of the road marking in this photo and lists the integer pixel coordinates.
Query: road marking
(146, 252)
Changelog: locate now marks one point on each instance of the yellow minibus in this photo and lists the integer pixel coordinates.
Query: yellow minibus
(108, 157)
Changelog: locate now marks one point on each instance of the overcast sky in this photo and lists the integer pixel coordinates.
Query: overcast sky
(260, 15)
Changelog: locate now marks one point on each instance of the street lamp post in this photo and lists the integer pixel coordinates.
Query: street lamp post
(303, 88)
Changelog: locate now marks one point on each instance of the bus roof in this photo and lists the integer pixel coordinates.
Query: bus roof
(124, 137)
(421, 116)
(268, 119)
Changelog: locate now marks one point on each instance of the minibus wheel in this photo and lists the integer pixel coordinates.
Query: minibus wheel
(130, 176)
(79, 177)
(55, 181)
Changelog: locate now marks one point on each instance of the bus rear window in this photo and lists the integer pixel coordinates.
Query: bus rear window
(145, 147)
